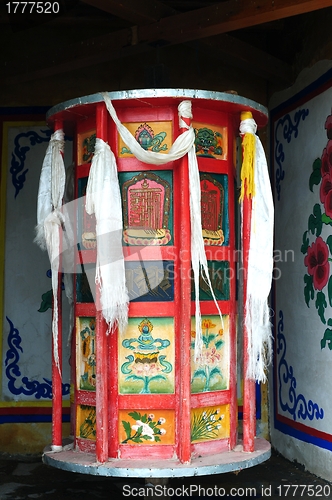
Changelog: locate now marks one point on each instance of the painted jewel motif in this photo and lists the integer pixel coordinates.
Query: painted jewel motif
(146, 210)
(149, 141)
(146, 428)
(146, 364)
(209, 371)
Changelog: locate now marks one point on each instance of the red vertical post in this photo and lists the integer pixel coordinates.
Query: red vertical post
(57, 367)
(185, 315)
(249, 396)
(112, 367)
(101, 339)
(233, 311)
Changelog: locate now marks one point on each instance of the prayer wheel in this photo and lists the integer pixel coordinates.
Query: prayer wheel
(155, 270)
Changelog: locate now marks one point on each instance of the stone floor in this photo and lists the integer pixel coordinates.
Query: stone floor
(26, 478)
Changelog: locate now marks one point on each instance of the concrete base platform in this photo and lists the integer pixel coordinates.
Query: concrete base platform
(85, 463)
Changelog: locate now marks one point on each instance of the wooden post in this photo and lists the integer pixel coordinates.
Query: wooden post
(101, 339)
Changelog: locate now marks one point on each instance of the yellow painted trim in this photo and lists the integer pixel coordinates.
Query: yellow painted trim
(3, 184)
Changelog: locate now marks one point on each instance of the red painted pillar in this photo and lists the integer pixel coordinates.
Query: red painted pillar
(232, 256)
(185, 314)
(249, 397)
(57, 367)
(101, 338)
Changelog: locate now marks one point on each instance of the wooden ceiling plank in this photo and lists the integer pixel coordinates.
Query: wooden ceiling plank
(133, 11)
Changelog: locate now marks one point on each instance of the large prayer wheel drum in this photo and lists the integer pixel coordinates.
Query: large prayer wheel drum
(143, 404)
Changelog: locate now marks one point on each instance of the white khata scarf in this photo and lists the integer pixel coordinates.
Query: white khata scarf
(103, 199)
(50, 218)
(103, 188)
(260, 259)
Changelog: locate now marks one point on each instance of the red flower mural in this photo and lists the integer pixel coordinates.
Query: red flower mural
(317, 256)
(326, 185)
(317, 263)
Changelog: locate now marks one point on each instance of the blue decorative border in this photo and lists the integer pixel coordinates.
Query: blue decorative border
(297, 406)
(41, 390)
(19, 155)
(288, 128)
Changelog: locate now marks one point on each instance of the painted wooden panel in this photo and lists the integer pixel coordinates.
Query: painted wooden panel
(147, 281)
(83, 290)
(147, 207)
(86, 145)
(214, 209)
(210, 141)
(146, 357)
(152, 136)
(210, 372)
(150, 281)
(219, 273)
(146, 427)
(86, 422)
(209, 423)
(86, 353)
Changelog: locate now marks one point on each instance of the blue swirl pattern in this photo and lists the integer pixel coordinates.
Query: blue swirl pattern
(17, 171)
(41, 390)
(287, 127)
(296, 405)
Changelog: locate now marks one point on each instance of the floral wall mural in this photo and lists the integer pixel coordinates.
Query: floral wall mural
(316, 247)
(301, 142)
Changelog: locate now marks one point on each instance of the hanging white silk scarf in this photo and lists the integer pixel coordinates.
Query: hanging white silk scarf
(184, 144)
(103, 199)
(50, 218)
(260, 262)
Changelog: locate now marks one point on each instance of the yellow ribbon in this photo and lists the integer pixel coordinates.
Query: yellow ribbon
(248, 161)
